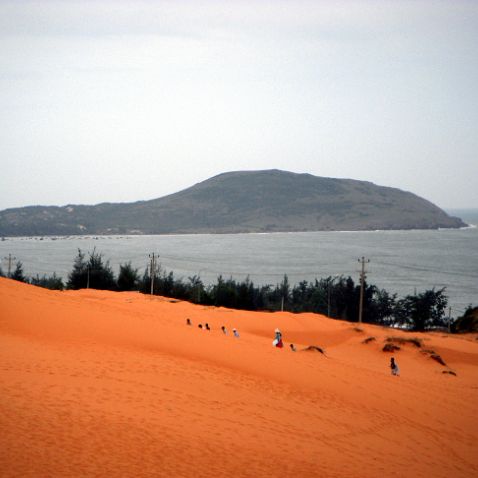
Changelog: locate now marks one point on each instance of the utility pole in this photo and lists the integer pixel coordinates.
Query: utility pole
(10, 259)
(449, 319)
(153, 270)
(88, 276)
(362, 285)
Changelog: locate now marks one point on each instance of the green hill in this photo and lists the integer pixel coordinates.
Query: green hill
(243, 201)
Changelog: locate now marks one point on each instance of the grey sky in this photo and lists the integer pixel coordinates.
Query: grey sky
(128, 100)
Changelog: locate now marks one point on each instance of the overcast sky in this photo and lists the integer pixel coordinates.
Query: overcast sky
(121, 101)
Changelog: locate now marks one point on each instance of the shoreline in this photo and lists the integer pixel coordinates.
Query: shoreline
(126, 236)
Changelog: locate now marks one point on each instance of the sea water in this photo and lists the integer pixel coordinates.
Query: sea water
(402, 262)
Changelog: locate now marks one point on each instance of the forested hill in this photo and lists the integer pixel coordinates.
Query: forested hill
(242, 201)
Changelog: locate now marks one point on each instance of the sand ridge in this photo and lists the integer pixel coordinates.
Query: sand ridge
(97, 383)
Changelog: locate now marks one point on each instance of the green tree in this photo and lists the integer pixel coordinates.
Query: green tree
(145, 283)
(284, 288)
(225, 293)
(18, 273)
(300, 296)
(323, 296)
(346, 297)
(78, 277)
(468, 322)
(100, 273)
(94, 273)
(422, 311)
(128, 278)
(166, 284)
(246, 297)
(382, 307)
(196, 289)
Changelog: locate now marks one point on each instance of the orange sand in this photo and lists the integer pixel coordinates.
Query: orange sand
(104, 384)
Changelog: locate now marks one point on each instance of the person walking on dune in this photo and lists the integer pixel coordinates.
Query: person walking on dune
(278, 339)
(394, 367)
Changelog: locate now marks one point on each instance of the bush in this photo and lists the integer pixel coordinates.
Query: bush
(391, 347)
(52, 282)
(368, 340)
(405, 340)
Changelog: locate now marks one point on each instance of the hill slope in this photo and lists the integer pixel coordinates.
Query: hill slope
(244, 201)
(97, 383)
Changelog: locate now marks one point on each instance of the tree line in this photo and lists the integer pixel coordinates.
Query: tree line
(336, 297)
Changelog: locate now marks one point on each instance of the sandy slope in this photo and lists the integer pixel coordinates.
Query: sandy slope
(95, 383)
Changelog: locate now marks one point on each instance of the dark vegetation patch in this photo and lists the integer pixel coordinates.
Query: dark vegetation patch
(357, 329)
(314, 348)
(404, 340)
(368, 340)
(450, 372)
(433, 355)
(391, 347)
(438, 359)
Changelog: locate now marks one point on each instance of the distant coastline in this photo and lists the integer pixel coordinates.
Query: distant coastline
(468, 215)
(56, 237)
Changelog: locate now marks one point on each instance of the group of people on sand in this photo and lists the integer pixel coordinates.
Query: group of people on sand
(277, 342)
(207, 327)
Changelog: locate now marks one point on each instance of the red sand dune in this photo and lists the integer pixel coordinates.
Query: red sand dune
(96, 383)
